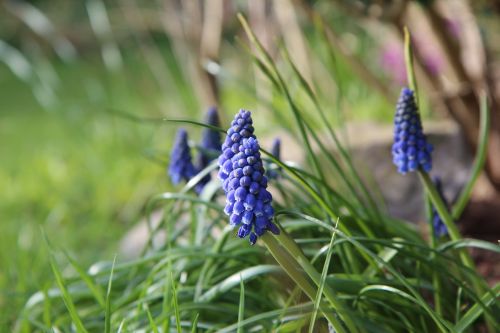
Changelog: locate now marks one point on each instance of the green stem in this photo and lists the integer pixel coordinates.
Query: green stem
(436, 283)
(445, 215)
(291, 247)
(410, 72)
(292, 268)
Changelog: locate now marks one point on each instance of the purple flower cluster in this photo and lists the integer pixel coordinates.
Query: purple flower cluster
(210, 143)
(410, 150)
(276, 152)
(248, 203)
(276, 148)
(181, 167)
(440, 229)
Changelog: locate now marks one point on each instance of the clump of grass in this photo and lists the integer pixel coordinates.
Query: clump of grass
(339, 260)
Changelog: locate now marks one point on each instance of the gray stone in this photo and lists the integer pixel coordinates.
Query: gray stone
(370, 145)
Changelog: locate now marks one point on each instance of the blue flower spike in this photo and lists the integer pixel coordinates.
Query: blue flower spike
(248, 203)
(276, 152)
(181, 166)
(410, 150)
(210, 140)
(440, 229)
(210, 146)
(276, 148)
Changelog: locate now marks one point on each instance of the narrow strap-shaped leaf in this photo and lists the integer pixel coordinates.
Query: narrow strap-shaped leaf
(68, 301)
(475, 311)
(241, 308)
(322, 281)
(107, 312)
(480, 159)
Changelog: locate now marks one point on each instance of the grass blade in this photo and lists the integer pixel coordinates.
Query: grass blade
(322, 281)
(241, 308)
(68, 301)
(94, 289)
(464, 243)
(233, 280)
(475, 311)
(122, 327)
(479, 161)
(107, 313)
(194, 327)
(152, 323)
(175, 304)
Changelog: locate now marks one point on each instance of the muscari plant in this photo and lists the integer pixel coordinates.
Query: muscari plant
(333, 261)
(438, 226)
(272, 170)
(248, 203)
(181, 166)
(210, 144)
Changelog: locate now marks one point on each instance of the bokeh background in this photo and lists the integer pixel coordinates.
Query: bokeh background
(86, 86)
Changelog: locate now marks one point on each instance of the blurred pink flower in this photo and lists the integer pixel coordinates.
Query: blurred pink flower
(430, 54)
(393, 63)
(454, 27)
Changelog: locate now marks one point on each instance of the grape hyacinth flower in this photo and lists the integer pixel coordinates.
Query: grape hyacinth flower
(248, 203)
(276, 152)
(410, 150)
(210, 146)
(276, 148)
(210, 140)
(181, 166)
(440, 229)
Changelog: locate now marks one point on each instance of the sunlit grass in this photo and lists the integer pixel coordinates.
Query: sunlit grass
(67, 171)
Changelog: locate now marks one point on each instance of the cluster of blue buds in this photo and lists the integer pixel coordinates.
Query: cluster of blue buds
(181, 167)
(276, 148)
(248, 203)
(276, 152)
(410, 150)
(210, 140)
(440, 229)
(210, 145)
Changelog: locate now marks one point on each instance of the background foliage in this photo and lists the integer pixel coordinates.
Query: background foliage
(75, 166)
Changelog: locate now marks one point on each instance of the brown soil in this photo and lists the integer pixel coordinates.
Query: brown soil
(481, 220)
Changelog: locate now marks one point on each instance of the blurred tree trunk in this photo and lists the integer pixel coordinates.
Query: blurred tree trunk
(195, 28)
(467, 57)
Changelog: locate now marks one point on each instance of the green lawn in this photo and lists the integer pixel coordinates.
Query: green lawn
(77, 172)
